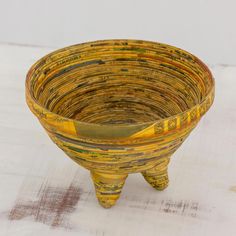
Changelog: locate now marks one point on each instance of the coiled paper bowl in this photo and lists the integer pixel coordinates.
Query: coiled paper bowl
(118, 107)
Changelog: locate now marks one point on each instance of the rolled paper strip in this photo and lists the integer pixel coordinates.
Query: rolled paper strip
(157, 176)
(120, 106)
(108, 187)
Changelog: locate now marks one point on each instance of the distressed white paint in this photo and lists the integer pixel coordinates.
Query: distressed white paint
(202, 172)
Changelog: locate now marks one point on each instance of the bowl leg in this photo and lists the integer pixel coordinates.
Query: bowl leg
(108, 187)
(157, 176)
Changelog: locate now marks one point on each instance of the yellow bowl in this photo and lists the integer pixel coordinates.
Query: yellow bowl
(118, 107)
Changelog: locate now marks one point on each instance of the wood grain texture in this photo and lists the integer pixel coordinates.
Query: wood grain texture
(201, 199)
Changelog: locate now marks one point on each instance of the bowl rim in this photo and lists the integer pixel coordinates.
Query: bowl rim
(41, 109)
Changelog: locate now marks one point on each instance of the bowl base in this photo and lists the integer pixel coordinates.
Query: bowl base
(109, 186)
(157, 177)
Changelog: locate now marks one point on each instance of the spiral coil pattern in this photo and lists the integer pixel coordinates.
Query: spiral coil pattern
(119, 106)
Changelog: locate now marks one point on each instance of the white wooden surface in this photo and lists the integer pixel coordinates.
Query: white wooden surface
(42, 192)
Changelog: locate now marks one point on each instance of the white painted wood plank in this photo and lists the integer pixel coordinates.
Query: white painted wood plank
(38, 182)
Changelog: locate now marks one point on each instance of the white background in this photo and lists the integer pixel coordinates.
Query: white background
(204, 27)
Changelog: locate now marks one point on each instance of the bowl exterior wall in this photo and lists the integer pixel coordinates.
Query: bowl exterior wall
(120, 149)
(132, 156)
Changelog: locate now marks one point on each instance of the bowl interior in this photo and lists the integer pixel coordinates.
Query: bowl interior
(120, 82)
